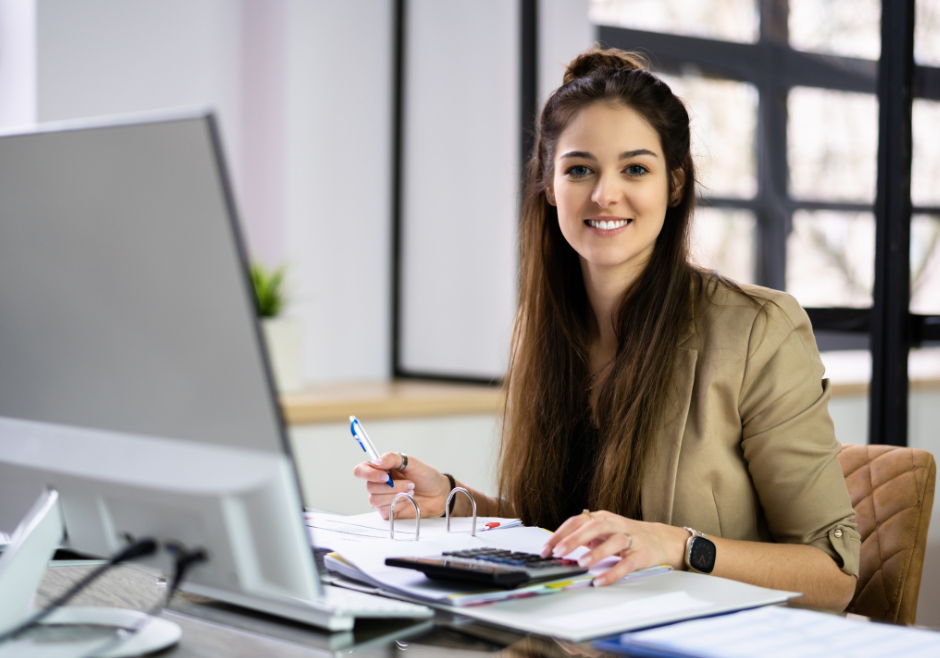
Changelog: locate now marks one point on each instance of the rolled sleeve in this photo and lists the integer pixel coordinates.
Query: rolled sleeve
(788, 439)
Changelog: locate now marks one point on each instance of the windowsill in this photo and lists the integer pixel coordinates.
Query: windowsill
(374, 400)
(850, 371)
(378, 400)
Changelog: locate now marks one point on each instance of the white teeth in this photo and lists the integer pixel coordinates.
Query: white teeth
(607, 226)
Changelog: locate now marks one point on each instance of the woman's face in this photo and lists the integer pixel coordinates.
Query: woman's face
(611, 187)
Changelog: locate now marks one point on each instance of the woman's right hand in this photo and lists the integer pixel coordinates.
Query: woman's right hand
(429, 486)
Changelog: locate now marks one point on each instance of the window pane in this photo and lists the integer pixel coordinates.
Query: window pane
(723, 240)
(925, 167)
(832, 139)
(851, 28)
(831, 258)
(731, 20)
(724, 122)
(927, 33)
(925, 264)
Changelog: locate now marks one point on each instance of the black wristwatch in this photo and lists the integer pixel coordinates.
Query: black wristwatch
(700, 552)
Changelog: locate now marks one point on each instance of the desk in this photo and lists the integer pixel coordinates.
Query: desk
(213, 630)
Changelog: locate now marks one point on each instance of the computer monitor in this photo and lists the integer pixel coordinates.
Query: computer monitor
(134, 381)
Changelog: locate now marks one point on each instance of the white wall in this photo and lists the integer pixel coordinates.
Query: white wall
(17, 62)
(564, 31)
(116, 56)
(465, 446)
(339, 183)
(302, 89)
(460, 186)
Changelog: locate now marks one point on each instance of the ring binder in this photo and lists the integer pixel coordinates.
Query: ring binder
(473, 503)
(391, 516)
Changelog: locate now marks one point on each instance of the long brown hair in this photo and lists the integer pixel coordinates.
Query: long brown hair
(548, 373)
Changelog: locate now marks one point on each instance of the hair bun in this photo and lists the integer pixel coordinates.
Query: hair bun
(598, 59)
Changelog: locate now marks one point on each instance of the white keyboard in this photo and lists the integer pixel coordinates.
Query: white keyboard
(359, 604)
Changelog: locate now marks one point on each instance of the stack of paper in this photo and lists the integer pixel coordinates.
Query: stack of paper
(578, 613)
(777, 631)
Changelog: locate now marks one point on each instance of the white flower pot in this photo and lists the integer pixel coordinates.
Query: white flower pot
(284, 337)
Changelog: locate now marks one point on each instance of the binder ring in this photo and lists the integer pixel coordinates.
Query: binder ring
(391, 516)
(473, 503)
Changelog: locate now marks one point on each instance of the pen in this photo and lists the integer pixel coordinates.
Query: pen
(359, 433)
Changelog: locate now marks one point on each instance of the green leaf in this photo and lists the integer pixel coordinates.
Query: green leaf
(270, 293)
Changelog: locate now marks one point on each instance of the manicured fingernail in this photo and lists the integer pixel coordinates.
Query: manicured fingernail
(558, 552)
(584, 560)
(377, 462)
(410, 485)
(598, 582)
(546, 551)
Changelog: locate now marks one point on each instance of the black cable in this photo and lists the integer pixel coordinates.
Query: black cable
(183, 560)
(140, 549)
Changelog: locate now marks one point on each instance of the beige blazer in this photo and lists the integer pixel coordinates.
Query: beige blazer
(749, 450)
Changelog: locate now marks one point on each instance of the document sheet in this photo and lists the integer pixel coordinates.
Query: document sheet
(778, 632)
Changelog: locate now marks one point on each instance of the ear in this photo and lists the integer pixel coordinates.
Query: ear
(550, 195)
(677, 185)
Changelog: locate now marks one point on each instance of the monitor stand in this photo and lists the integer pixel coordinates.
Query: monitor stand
(22, 567)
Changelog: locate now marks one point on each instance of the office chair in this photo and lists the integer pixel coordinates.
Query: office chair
(892, 492)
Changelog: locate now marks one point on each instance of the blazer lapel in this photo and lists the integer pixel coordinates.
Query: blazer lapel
(659, 479)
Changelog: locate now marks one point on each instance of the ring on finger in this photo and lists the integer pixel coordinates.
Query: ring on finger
(630, 545)
(588, 512)
(404, 461)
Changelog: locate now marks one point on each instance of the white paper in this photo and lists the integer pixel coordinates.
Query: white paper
(634, 611)
(539, 614)
(369, 556)
(778, 631)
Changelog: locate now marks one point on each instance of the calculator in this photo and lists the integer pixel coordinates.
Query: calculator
(491, 566)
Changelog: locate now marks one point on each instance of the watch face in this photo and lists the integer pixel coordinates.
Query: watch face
(702, 555)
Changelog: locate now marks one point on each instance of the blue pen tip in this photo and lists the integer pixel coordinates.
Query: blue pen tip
(390, 483)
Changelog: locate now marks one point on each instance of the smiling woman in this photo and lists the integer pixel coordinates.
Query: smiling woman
(664, 396)
(603, 193)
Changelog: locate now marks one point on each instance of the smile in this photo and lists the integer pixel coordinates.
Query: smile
(607, 225)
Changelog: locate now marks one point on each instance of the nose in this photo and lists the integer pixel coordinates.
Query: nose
(607, 191)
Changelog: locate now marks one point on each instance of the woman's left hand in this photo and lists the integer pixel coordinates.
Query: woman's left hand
(639, 544)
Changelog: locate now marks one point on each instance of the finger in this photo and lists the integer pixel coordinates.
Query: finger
(564, 530)
(389, 461)
(403, 508)
(616, 544)
(401, 486)
(626, 566)
(584, 535)
(366, 471)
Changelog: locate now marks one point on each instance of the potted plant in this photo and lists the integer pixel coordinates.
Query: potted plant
(284, 336)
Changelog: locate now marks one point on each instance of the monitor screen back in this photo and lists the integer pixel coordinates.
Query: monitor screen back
(125, 304)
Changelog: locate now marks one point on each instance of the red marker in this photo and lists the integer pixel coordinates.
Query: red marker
(492, 524)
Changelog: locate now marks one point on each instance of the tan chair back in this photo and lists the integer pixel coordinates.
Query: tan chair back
(892, 493)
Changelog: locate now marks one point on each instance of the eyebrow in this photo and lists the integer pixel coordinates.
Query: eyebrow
(626, 155)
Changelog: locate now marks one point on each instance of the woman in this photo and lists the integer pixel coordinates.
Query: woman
(666, 396)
